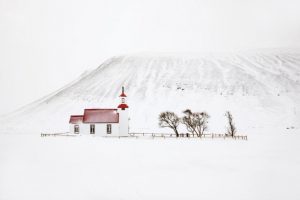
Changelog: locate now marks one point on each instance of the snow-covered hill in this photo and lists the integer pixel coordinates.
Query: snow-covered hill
(260, 89)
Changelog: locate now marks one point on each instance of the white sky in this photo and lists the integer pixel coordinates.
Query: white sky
(46, 44)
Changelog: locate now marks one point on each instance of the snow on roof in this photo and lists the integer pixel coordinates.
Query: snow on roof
(101, 116)
(75, 119)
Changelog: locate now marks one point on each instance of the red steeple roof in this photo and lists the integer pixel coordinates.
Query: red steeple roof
(123, 106)
(123, 93)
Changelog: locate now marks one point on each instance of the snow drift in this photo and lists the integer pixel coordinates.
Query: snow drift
(260, 89)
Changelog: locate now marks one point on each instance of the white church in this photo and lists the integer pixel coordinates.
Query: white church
(102, 122)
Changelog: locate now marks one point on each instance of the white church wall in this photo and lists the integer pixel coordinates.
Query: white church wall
(124, 123)
(71, 128)
(100, 129)
(84, 129)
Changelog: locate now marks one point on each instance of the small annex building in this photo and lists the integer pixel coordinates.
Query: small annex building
(102, 122)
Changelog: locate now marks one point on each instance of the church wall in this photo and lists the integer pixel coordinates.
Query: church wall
(100, 129)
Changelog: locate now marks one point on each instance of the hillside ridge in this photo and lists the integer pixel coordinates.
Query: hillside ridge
(249, 84)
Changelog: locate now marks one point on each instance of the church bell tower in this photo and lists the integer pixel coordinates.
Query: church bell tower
(123, 115)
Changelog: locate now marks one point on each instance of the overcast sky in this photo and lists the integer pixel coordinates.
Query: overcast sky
(46, 44)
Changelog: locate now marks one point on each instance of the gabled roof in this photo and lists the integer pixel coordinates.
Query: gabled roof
(101, 116)
(76, 119)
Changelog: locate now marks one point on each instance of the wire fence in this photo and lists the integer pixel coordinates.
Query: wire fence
(162, 135)
(190, 135)
(56, 134)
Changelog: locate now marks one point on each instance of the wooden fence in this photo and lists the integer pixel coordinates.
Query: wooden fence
(55, 134)
(164, 135)
(189, 135)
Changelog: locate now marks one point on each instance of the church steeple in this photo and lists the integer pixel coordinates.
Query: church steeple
(123, 96)
(123, 92)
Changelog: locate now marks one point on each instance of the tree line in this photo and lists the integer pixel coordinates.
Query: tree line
(196, 123)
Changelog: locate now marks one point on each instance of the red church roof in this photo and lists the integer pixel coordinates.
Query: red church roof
(75, 119)
(101, 116)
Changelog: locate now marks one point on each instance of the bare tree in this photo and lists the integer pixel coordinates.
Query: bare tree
(231, 129)
(196, 123)
(201, 122)
(170, 120)
(189, 121)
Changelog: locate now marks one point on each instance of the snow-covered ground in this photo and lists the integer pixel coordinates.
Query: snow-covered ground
(260, 89)
(72, 168)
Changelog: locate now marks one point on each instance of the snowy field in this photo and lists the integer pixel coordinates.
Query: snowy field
(261, 90)
(267, 166)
